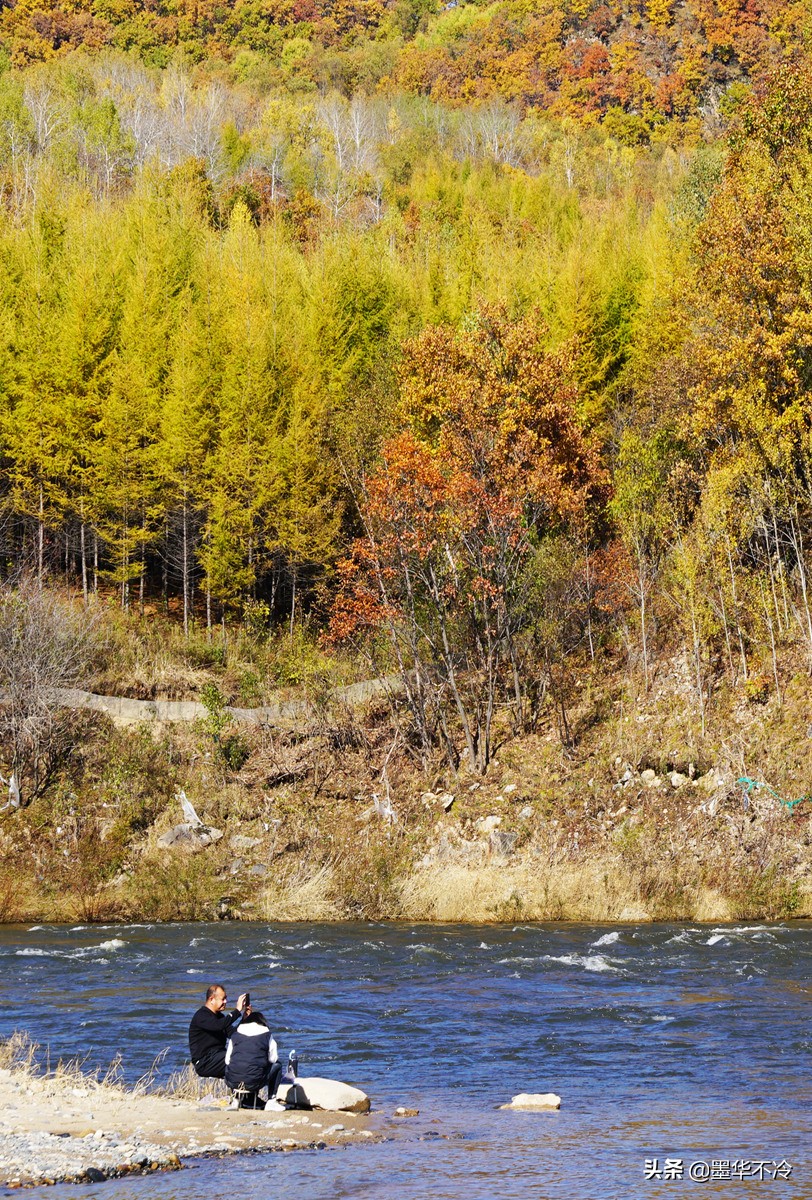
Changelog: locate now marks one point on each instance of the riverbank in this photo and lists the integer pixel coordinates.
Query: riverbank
(67, 1127)
(644, 810)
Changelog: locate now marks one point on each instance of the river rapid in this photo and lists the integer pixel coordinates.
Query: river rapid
(687, 1043)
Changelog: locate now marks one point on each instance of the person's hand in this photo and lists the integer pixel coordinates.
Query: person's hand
(241, 1001)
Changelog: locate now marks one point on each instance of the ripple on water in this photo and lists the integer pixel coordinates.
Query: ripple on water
(590, 962)
(424, 1017)
(608, 939)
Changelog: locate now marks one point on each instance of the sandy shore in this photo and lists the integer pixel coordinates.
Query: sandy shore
(55, 1130)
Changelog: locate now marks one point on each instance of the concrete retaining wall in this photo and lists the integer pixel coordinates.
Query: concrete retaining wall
(123, 711)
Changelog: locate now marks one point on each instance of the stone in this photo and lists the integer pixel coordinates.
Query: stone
(486, 825)
(526, 813)
(406, 1112)
(207, 835)
(508, 788)
(533, 1102)
(501, 843)
(712, 780)
(187, 837)
(446, 799)
(259, 869)
(677, 780)
(648, 776)
(239, 843)
(327, 1094)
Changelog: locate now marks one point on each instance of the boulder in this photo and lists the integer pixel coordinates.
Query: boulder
(534, 1101)
(189, 837)
(327, 1094)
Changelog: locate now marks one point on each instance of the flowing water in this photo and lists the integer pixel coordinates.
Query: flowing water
(665, 1041)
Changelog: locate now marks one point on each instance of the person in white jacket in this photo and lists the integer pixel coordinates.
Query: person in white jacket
(252, 1061)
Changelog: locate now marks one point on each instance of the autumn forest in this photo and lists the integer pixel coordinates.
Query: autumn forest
(467, 340)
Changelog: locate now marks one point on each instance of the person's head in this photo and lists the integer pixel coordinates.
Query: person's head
(254, 1017)
(216, 997)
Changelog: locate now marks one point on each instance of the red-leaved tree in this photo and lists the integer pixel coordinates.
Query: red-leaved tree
(491, 459)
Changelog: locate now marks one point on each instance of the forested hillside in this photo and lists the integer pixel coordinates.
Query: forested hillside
(220, 312)
(638, 67)
(457, 345)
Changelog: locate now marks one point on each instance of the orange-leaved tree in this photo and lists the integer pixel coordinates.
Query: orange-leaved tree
(490, 459)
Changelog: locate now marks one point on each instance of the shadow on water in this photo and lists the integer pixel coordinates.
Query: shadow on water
(665, 1042)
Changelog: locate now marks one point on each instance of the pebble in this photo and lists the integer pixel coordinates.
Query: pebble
(29, 1158)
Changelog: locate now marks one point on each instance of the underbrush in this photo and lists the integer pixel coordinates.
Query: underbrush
(249, 662)
(333, 816)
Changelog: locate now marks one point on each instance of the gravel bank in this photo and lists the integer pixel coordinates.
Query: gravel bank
(30, 1158)
(53, 1130)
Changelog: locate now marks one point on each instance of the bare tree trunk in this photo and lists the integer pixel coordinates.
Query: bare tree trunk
(292, 601)
(142, 572)
(797, 540)
(185, 561)
(727, 633)
(644, 638)
(772, 577)
(781, 572)
(41, 536)
(736, 606)
(700, 690)
(588, 582)
(125, 569)
(83, 553)
(769, 619)
(165, 566)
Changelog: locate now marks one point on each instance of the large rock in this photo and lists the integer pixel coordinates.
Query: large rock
(534, 1101)
(329, 1094)
(186, 837)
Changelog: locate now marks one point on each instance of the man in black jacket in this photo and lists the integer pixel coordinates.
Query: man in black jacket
(210, 1029)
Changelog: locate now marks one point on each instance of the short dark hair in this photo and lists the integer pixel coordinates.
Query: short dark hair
(214, 987)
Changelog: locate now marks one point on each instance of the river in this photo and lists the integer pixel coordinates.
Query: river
(689, 1043)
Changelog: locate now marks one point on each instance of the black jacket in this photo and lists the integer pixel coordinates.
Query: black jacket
(209, 1032)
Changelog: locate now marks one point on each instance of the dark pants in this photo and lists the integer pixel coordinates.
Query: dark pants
(249, 1097)
(213, 1066)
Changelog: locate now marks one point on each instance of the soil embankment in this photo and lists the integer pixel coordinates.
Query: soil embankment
(643, 808)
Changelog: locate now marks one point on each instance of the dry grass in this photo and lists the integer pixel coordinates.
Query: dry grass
(187, 1085)
(301, 895)
(24, 1057)
(21, 1055)
(594, 890)
(18, 1053)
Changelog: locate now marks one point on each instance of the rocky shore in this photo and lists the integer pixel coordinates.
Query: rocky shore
(56, 1129)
